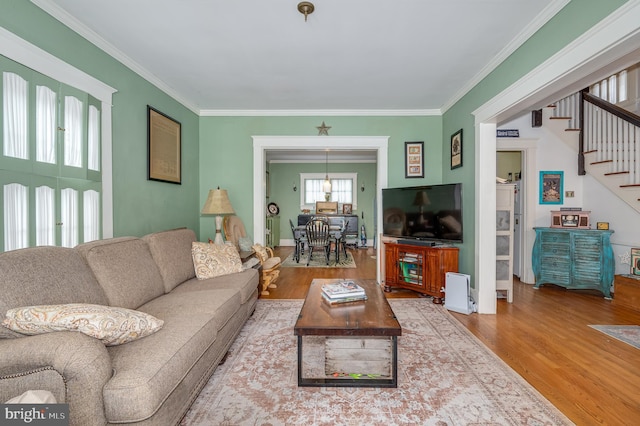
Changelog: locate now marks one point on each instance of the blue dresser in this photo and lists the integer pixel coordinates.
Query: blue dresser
(574, 258)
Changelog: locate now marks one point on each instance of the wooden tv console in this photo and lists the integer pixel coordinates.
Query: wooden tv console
(419, 268)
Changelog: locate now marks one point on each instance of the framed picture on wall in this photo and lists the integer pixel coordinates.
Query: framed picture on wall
(551, 187)
(635, 261)
(414, 159)
(164, 147)
(456, 150)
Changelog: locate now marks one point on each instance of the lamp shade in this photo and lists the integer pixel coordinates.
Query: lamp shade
(217, 203)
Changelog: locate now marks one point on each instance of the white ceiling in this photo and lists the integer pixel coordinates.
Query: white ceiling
(239, 57)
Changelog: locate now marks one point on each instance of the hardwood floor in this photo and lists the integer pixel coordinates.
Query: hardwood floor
(544, 335)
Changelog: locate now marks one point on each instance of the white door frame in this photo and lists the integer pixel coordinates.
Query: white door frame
(262, 144)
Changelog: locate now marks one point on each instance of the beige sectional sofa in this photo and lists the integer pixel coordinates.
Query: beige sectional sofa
(149, 381)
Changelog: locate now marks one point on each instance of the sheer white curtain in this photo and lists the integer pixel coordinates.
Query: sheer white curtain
(93, 148)
(342, 190)
(313, 191)
(91, 218)
(72, 131)
(15, 96)
(45, 125)
(16, 216)
(45, 216)
(69, 217)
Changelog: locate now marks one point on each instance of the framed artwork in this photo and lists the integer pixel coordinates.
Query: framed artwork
(414, 159)
(635, 261)
(551, 187)
(456, 150)
(164, 147)
(347, 208)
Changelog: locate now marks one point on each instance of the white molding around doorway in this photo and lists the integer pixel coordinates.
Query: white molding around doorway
(262, 144)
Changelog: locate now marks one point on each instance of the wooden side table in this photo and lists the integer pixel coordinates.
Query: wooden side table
(627, 291)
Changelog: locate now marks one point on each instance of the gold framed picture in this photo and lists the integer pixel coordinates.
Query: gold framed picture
(164, 141)
(603, 226)
(635, 261)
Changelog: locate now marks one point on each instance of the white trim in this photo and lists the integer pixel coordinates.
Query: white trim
(613, 39)
(29, 55)
(263, 143)
(528, 148)
(542, 18)
(319, 112)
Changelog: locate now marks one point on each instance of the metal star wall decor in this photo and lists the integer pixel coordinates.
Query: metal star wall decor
(323, 130)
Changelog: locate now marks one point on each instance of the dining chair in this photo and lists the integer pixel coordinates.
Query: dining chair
(317, 231)
(341, 240)
(299, 239)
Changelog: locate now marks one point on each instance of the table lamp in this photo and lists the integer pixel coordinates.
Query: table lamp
(218, 203)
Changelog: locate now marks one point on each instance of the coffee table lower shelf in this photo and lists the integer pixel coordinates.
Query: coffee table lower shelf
(380, 355)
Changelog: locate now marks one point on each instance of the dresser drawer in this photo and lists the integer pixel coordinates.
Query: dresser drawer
(555, 237)
(556, 250)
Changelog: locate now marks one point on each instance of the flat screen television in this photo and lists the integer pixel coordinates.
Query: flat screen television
(423, 213)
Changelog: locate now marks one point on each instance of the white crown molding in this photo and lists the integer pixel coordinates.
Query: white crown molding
(320, 112)
(542, 18)
(65, 18)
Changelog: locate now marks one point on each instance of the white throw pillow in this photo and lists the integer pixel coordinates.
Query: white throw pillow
(112, 325)
(214, 260)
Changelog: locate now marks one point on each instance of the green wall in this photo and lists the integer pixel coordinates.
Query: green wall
(226, 152)
(571, 22)
(140, 206)
(282, 177)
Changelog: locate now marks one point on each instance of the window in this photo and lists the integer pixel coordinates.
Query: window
(50, 195)
(342, 189)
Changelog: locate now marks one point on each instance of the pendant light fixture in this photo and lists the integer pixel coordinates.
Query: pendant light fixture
(326, 185)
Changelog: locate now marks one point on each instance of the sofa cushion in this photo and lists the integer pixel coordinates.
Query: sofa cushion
(213, 260)
(125, 269)
(111, 325)
(45, 276)
(246, 282)
(172, 252)
(148, 370)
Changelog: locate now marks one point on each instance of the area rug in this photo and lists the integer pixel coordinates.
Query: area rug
(318, 261)
(446, 376)
(629, 334)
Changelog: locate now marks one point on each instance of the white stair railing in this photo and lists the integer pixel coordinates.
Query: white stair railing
(613, 136)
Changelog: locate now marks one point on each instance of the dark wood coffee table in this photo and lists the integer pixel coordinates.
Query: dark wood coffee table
(360, 338)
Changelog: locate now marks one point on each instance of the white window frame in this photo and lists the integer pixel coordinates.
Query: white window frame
(31, 56)
(306, 176)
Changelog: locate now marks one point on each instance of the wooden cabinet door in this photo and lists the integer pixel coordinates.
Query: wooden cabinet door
(390, 264)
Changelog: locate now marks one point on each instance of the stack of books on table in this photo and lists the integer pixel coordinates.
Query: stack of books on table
(343, 292)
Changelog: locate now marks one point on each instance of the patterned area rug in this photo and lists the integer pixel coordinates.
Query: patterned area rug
(446, 376)
(625, 333)
(318, 261)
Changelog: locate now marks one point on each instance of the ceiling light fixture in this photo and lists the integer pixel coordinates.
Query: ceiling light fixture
(306, 8)
(326, 185)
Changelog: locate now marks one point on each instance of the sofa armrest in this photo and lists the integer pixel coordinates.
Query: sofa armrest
(81, 362)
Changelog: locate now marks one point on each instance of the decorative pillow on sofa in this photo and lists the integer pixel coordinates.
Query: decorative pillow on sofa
(213, 260)
(112, 325)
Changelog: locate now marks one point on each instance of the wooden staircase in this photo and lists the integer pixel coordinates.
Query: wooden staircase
(610, 145)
